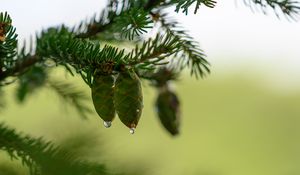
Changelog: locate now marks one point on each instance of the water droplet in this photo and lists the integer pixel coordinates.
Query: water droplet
(107, 124)
(137, 110)
(132, 130)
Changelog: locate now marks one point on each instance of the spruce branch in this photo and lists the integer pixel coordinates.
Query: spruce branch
(132, 22)
(87, 57)
(8, 42)
(124, 13)
(290, 8)
(98, 24)
(153, 51)
(44, 158)
(19, 147)
(84, 56)
(185, 4)
(12, 63)
(104, 21)
(189, 53)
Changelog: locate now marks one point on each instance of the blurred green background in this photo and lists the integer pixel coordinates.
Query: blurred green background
(232, 124)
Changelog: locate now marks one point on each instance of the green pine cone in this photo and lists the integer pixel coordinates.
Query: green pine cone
(168, 110)
(102, 95)
(128, 98)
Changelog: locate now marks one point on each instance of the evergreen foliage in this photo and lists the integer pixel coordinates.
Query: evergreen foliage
(289, 8)
(44, 158)
(80, 50)
(8, 44)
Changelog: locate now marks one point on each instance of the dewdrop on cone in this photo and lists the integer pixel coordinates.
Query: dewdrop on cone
(168, 110)
(128, 98)
(102, 95)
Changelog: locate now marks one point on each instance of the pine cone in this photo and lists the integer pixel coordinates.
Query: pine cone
(168, 110)
(128, 98)
(102, 94)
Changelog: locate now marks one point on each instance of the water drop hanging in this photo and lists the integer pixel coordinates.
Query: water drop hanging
(107, 124)
(132, 130)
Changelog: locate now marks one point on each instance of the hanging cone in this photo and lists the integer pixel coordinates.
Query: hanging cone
(102, 95)
(168, 110)
(128, 98)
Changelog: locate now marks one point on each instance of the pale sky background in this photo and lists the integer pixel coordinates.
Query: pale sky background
(233, 37)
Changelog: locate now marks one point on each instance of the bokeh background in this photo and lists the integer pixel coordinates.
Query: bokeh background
(243, 119)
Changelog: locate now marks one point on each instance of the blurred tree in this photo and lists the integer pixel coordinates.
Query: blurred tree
(112, 73)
